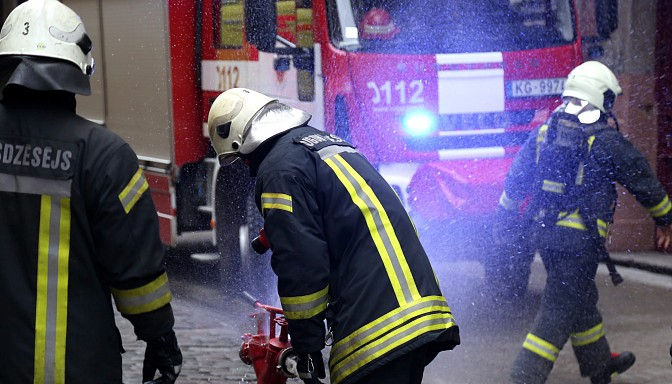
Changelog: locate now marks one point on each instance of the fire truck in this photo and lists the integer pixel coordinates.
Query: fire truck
(438, 94)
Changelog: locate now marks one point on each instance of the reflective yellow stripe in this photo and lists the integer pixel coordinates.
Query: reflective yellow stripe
(276, 201)
(386, 333)
(147, 298)
(508, 203)
(602, 228)
(588, 337)
(661, 209)
(553, 186)
(572, 220)
(580, 173)
(380, 228)
(305, 307)
(541, 347)
(51, 306)
(591, 139)
(132, 192)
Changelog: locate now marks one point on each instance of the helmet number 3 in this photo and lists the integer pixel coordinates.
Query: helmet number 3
(26, 26)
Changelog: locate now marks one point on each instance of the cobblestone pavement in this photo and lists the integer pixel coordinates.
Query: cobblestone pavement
(209, 325)
(209, 346)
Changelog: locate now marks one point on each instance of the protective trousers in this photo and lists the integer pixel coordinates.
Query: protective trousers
(568, 309)
(406, 369)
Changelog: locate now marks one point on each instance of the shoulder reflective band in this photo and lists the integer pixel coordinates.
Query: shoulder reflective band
(388, 332)
(276, 201)
(541, 347)
(587, 337)
(662, 209)
(305, 307)
(147, 298)
(35, 185)
(51, 307)
(381, 229)
(332, 150)
(133, 190)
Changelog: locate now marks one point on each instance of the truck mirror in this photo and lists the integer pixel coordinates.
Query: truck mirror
(606, 18)
(261, 24)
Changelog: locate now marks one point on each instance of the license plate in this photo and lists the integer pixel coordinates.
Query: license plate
(536, 87)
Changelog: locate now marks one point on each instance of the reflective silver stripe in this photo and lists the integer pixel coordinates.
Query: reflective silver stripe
(143, 299)
(541, 347)
(552, 186)
(393, 319)
(382, 231)
(588, 337)
(395, 338)
(661, 209)
(305, 307)
(52, 290)
(35, 185)
(276, 201)
(332, 150)
(133, 190)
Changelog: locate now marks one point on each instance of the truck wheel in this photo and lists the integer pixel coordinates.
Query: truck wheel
(238, 222)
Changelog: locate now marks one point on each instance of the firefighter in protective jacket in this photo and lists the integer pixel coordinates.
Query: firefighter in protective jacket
(343, 247)
(77, 223)
(568, 169)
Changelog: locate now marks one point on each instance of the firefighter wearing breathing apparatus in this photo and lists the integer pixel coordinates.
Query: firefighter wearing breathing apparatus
(77, 223)
(343, 247)
(568, 169)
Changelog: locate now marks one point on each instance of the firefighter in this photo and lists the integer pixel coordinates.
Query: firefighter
(377, 24)
(570, 184)
(343, 247)
(77, 223)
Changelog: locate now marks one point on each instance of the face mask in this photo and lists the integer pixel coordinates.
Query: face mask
(583, 110)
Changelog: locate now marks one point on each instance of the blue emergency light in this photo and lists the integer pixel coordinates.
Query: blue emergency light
(419, 123)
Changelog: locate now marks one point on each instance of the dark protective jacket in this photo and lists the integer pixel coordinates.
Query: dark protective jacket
(611, 159)
(344, 247)
(77, 223)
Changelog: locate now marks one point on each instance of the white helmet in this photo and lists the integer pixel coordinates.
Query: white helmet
(593, 82)
(241, 119)
(47, 28)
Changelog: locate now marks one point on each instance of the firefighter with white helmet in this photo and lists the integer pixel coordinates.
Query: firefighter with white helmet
(568, 170)
(77, 222)
(343, 247)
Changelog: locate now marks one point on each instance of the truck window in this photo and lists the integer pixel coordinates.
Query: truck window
(442, 26)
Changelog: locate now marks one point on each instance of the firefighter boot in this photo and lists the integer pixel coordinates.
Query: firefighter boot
(619, 363)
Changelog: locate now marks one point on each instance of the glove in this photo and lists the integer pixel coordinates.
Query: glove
(507, 227)
(162, 354)
(310, 367)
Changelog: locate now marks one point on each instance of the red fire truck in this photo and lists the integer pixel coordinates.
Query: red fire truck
(438, 94)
